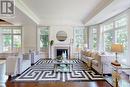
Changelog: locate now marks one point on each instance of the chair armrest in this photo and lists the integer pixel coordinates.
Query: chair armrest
(90, 58)
(107, 58)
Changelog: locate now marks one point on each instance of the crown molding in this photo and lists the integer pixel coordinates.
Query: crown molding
(24, 8)
(97, 9)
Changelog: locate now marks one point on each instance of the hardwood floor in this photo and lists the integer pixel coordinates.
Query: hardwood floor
(58, 84)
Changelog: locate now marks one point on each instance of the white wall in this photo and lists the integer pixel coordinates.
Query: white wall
(55, 29)
(53, 32)
(29, 37)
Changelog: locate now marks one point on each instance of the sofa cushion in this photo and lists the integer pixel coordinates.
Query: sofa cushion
(89, 54)
(86, 53)
(93, 54)
(95, 62)
(97, 56)
(89, 58)
(83, 52)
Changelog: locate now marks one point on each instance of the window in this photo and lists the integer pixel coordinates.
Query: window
(108, 40)
(108, 26)
(10, 38)
(78, 37)
(44, 38)
(116, 32)
(121, 35)
(121, 22)
(94, 37)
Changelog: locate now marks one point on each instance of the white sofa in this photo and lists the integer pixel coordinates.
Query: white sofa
(102, 63)
(99, 62)
(17, 64)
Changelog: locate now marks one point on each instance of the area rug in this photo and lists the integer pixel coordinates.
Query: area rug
(43, 71)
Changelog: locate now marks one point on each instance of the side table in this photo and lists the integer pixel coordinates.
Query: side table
(116, 75)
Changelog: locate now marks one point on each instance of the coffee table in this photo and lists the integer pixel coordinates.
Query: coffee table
(63, 66)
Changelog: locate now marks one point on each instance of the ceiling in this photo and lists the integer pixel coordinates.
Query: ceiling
(114, 8)
(61, 11)
(66, 12)
(19, 19)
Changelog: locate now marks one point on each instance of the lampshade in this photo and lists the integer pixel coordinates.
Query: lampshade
(118, 48)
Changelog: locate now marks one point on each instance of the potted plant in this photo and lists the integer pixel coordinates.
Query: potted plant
(51, 43)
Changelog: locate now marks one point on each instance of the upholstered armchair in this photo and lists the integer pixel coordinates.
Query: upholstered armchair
(17, 64)
(35, 56)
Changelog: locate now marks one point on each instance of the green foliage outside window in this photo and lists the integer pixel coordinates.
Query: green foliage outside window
(94, 35)
(78, 37)
(10, 38)
(108, 37)
(44, 37)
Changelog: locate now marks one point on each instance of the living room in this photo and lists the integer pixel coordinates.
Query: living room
(65, 43)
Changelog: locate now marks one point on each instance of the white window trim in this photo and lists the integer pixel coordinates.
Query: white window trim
(12, 34)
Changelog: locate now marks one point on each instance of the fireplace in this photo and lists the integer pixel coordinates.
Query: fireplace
(58, 49)
(61, 52)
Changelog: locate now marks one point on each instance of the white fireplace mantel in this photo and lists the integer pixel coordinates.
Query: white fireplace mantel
(60, 46)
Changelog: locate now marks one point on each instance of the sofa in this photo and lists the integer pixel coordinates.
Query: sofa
(17, 64)
(100, 62)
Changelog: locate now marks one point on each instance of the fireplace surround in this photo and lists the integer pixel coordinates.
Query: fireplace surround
(61, 48)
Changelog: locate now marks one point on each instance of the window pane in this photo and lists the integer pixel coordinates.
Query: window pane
(122, 38)
(7, 41)
(109, 39)
(17, 31)
(108, 27)
(94, 38)
(78, 37)
(121, 22)
(16, 41)
(6, 31)
(44, 38)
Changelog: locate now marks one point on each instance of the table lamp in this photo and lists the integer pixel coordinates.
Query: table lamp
(117, 48)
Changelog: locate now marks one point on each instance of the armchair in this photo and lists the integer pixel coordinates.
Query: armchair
(17, 64)
(35, 56)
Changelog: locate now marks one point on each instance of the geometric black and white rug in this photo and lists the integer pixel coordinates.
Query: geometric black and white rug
(43, 71)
